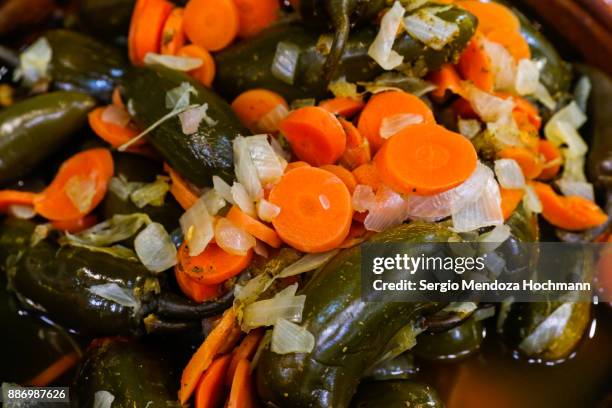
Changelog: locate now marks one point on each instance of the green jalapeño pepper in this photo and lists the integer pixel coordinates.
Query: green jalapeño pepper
(91, 290)
(136, 374)
(36, 128)
(350, 334)
(249, 64)
(81, 63)
(395, 394)
(454, 344)
(198, 156)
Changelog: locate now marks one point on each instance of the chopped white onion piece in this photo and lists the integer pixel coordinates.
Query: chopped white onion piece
(151, 194)
(174, 62)
(118, 228)
(392, 125)
(560, 132)
(224, 189)
(249, 292)
(343, 89)
(197, 226)
(213, 200)
(286, 58)
(430, 29)
(232, 239)
(118, 294)
(503, 65)
(179, 98)
(506, 132)
(285, 305)
(270, 121)
(573, 166)
(543, 96)
(155, 248)
(483, 314)
(484, 212)
(266, 211)
(509, 174)
(242, 199)
(34, 61)
(123, 188)
(491, 240)
(266, 161)
(103, 399)
(278, 149)
(22, 212)
(191, 119)
(489, 107)
(577, 188)
(245, 169)
(81, 191)
(289, 337)
(531, 201)
(527, 77)
(469, 127)
(381, 49)
(363, 198)
(115, 115)
(307, 263)
(389, 210)
(548, 331)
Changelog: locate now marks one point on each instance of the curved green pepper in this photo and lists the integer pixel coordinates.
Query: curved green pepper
(248, 65)
(198, 156)
(349, 334)
(58, 280)
(402, 367)
(106, 18)
(136, 374)
(81, 63)
(34, 129)
(396, 394)
(137, 168)
(454, 344)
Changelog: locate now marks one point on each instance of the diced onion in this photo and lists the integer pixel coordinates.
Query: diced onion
(191, 119)
(503, 65)
(155, 248)
(489, 107)
(430, 29)
(381, 49)
(343, 89)
(213, 200)
(120, 227)
(577, 188)
(34, 61)
(266, 211)
(389, 210)
(562, 129)
(363, 198)
(123, 188)
(113, 292)
(531, 201)
(22, 212)
(232, 239)
(265, 160)
(509, 174)
(548, 331)
(285, 305)
(197, 226)
(288, 337)
(81, 191)
(307, 263)
(103, 399)
(392, 125)
(174, 62)
(527, 77)
(224, 189)
(242, 199)
(544, 97)
(270, 121)
(286, 58)
(484, 212)
(491, 240)
(483, 314)
(245, 169)
(249, 292)
(115, 115)
(179, 98)
(469, 127)
(153, 194)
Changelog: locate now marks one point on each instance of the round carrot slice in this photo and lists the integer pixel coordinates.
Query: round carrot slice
(425, 160)
(316, 209)
(343, 174)
(173, 36)
(146, 28)
(78, 187)
(113, 134)
(206, 72)
(256, 15)
(315, 135)
(212, 266)
(194, 290)
(387, 104)
(257, 229)
(251, 106)
(211, 24)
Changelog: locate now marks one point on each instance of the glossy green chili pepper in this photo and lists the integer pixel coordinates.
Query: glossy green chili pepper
(135, 373)
(36, 128)
(402, 367)
(395, 394)
(106, 18)
(197, 156)
(454, 344)
(57, 281)
(137, 168)
(81, 63)
(350, 334)
(248, 65)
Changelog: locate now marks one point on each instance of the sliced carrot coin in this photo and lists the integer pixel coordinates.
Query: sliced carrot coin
(446, 79)
(295, 165)
(475, 64)
(206, 72)
(211, 24)
(146, 28)
(173, 37)
(343, 174)
(214, 265)
(513, 41)
(343, 106)
(252, 105)
(491, 16)
(256, 15)
(113, 134)
(367, 174)
(245, 350)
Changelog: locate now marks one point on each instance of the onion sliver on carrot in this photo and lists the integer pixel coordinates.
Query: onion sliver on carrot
(251, 106)
(146, 27)
(78, 187)
(315, 135)
(256, 15)
(218, 340)
(210, 392)
(316, 209)
(194, 290)
(113, 134)
(529, 162)
(570, 213)
(214, 265)
(173, 37)
(425, 160)
(254, 227)
(387, 104)
(211, 24)
(77, 225)
(206, 72)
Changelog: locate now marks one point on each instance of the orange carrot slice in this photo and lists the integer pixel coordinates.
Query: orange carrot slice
(210, 392)
(357, 151)
(75, 226)
(491, 16)
(343, 174)
(245, 350)
(180, 189)
(206, 72)
(113, 134)
(367, 174)
(343, 106)
(173, 37)
(211, 24)
(256, 15)
(552, 159)
(146, 28)
(14, 197)
(446, 79)
(510, 199)
(241, 394)
(194, 290)
(254, 227)
(475, 64)
(529, 162)
(251, 106)
(214, 265)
